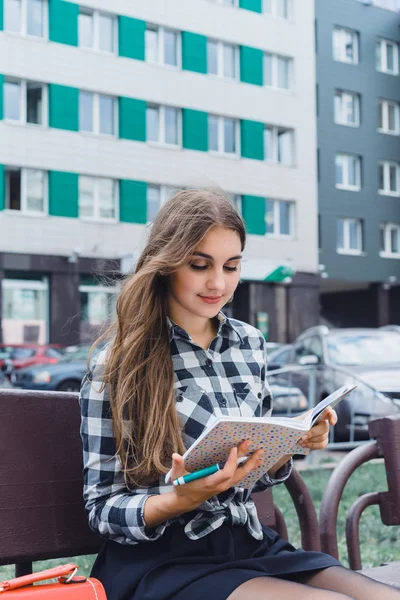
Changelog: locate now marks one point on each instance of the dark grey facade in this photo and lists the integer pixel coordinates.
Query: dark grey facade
(367, 281)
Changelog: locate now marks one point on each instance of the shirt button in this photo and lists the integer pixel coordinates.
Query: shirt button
(259, 395)
(209, 362)
(223, 402)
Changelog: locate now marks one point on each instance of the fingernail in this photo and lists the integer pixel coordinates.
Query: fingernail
(304, 438)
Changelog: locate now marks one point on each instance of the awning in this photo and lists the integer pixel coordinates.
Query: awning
(258, 269)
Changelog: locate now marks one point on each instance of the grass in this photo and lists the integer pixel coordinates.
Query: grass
(379, 544)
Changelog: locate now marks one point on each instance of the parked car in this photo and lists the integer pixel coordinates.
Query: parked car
(369, 358)
(24, 355)
(280, 357)
(65, 376)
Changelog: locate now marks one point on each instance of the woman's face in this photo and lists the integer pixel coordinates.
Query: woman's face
(208, 281)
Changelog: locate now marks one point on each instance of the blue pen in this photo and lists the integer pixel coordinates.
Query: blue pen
(204, 472)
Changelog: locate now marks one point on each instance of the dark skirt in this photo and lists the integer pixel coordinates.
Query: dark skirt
(177, 568)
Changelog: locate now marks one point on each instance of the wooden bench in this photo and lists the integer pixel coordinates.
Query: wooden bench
(41, 508)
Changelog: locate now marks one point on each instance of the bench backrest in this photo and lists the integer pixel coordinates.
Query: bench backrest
(41, 508)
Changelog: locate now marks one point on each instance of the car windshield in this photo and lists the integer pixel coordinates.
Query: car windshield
(80, 354)
(364, 349)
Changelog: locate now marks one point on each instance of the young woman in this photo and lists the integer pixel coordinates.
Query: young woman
(173, 364)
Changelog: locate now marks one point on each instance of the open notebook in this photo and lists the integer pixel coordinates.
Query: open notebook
(276, 435)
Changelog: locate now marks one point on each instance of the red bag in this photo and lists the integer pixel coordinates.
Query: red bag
(68, 587)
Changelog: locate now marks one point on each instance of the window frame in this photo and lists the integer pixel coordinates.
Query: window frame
(384, 43)
(96, 115)
(160, 31)
(23, 196)
(161, 126)
(277, 219)
(96, 14)
(221, 137)
(23, 29)
(274, 71)
(96, 218)
(164, 191)
(237, 201)
(387, 228)
(346, 185)
(221, 62)
(23, 91)
(339, 54)
(346, 236)
(275, 146)
(386, 164)
(339, 120)
(385, 116)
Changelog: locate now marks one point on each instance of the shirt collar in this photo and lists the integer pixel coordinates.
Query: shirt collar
(225, 327)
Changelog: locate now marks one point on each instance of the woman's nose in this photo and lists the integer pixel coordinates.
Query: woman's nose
(216, 281)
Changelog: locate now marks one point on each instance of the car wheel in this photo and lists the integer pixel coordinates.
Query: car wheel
(71, 385)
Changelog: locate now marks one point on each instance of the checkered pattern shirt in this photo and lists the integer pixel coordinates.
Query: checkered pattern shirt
(229, 378)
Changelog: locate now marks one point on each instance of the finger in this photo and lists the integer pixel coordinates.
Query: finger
(243, 448)
(318, 445)
(230, 465)
(321, 427)
(316, 439)
(333, 418)
(178, 466)
(328, 415)
(250, 464)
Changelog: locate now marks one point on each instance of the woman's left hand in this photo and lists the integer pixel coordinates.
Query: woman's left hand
(318, 436)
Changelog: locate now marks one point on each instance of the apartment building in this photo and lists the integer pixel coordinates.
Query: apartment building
(358, 103)
(106, 109)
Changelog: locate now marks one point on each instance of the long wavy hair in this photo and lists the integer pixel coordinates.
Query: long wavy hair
(139, 370)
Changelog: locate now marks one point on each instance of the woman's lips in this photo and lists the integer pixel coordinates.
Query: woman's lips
(211, 299)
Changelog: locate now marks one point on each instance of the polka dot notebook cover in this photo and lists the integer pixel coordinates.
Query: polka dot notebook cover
(276, 435)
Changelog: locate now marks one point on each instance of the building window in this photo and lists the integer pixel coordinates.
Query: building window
(222, 59)
(163, 46)
(25, 101)
(25, 310)
(157, 195)
(163, 125)
(278, 8)
(388, 117)
(98, 198)
(347, 108)
(278, 145)
(389, 239)
(98, 304)
(223, 135)
(348, 172)
(236, 200)
(389, 178)
(278, 71)
(27, 17)
(279, 218)
(97, 113)
(227, 2)
(26, 190)
(97, 31)
(345, 45)
(387, 57)
(349, 236)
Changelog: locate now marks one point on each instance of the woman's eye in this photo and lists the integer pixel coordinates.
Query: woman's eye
(198, 267)
(231, 269)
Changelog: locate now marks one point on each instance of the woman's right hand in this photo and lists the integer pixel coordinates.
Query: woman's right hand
(190, 495)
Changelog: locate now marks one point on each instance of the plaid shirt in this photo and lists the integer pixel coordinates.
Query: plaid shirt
(227, 379)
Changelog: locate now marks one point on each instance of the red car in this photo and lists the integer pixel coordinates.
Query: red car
(25, 355)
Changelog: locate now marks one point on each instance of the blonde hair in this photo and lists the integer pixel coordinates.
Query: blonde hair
(139, 370)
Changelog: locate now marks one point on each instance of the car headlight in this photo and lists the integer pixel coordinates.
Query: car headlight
(42, 377)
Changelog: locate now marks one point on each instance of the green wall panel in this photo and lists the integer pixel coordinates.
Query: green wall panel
(253, 209)
(251, 65)
(195, 129)
(63, 194)
(132, 119)
(194, 52)
(63, 22)
(1, 97)
(1, 14)
(254, 5)
(2, 188)
(132, 201)
(252, 139)
(63, 107)
(131, 32)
